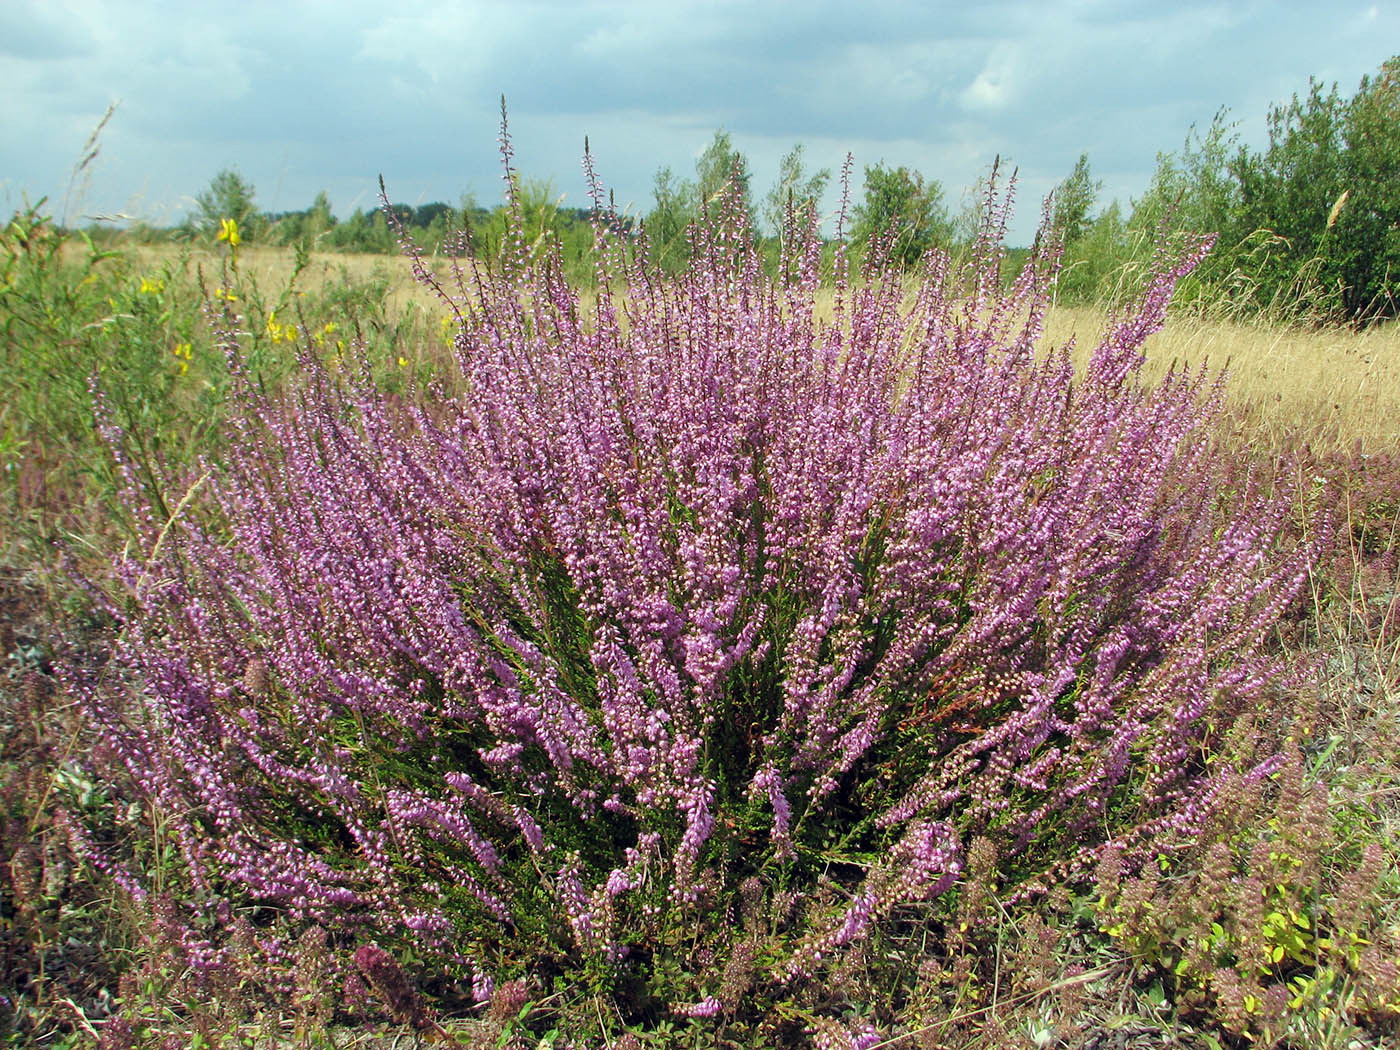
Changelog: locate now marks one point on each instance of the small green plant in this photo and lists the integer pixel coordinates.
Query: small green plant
(77, 320)
(1256, 927)
(92, 337)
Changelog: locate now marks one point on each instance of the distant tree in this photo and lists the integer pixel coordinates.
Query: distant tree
(1104, 262)
(299, 227)
(427, 214)
(1193, 189)
(1365, 227)
(793, 187)
(967, 222)
(538, 205)
(362, 232)
(229, 196)
(673, 210)
(677, 202)
(544, 226)
(282, 228)
(1328, 187)
(1074, 198)
(319, 218)
(721, 166)
(472, 217)
(898, 202)
(1307, 228)
(436, 233)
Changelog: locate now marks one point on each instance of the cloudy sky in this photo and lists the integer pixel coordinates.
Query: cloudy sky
(305, 95)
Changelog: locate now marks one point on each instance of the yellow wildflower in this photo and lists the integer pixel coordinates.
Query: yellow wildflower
(151, 286)
(228, 231)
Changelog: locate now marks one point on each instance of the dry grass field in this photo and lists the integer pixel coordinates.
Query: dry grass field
(1332, 388)
(1336, 389)
(272, 268)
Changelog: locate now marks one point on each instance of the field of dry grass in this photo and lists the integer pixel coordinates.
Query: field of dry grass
(272, 268)
(1330, 387)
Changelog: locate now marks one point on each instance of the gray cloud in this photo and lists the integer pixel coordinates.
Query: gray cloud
(326, 95)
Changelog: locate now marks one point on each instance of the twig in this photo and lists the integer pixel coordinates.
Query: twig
(1015, 1000)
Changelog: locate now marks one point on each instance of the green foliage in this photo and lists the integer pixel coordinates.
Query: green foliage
(795, 192)
(362, 232)
(436, 227)
(679, 202)
(228, 196)
(899, 203)
(1094, 264)
(670, 216)
(1366, 231)
(545, 226)
(1191, 189)
(1328, 185)
(304, 229)
(1269, 919)
(720, 168)
(1308, 229)
(1107, 257)
(56, 937)
(77, 317)
(1074, 198)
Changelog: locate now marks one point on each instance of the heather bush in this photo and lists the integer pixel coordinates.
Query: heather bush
(684, 653)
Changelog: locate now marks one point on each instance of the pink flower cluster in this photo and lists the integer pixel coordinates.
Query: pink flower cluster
(683, 568)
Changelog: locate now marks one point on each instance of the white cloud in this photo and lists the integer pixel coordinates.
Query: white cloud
(445, 46)
(995, 87)
(621, 41)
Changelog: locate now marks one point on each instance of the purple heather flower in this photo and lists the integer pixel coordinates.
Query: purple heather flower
(695, 551)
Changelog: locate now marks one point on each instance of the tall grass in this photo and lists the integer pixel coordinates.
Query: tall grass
(1333, 389)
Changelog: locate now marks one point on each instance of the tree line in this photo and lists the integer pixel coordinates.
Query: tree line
(1308, 227)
